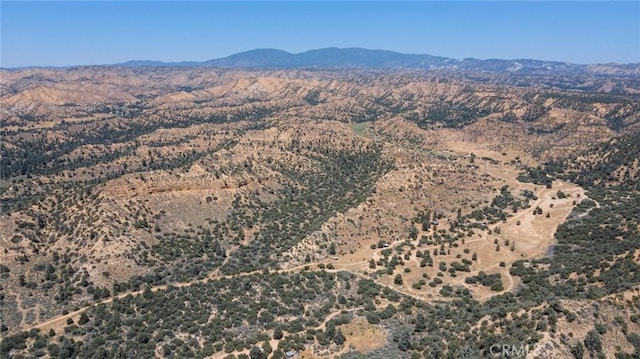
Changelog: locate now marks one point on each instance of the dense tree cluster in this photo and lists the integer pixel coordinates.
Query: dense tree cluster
(342, 179)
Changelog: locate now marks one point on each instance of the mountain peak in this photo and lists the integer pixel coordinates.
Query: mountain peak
(355, 57)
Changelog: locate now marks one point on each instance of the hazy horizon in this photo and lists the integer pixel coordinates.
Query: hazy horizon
(100, 33)
(294, 53)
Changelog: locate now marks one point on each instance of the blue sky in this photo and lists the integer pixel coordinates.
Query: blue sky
(81, 33)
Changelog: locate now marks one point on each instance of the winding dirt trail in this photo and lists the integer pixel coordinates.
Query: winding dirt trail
(531, 234)
(534, 237)
(59, 322)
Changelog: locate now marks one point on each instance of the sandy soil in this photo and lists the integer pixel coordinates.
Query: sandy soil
(532, 235)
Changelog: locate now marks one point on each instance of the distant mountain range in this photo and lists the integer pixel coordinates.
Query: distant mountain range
(381, 59)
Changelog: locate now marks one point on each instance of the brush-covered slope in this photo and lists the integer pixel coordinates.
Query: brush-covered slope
(439, 212)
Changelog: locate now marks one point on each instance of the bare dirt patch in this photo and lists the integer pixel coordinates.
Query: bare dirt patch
(362, 336)
(523, 235)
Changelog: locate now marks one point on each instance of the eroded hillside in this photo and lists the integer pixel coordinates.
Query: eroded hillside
(436, 212)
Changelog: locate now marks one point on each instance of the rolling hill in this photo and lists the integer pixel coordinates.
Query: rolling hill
(340, 203)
